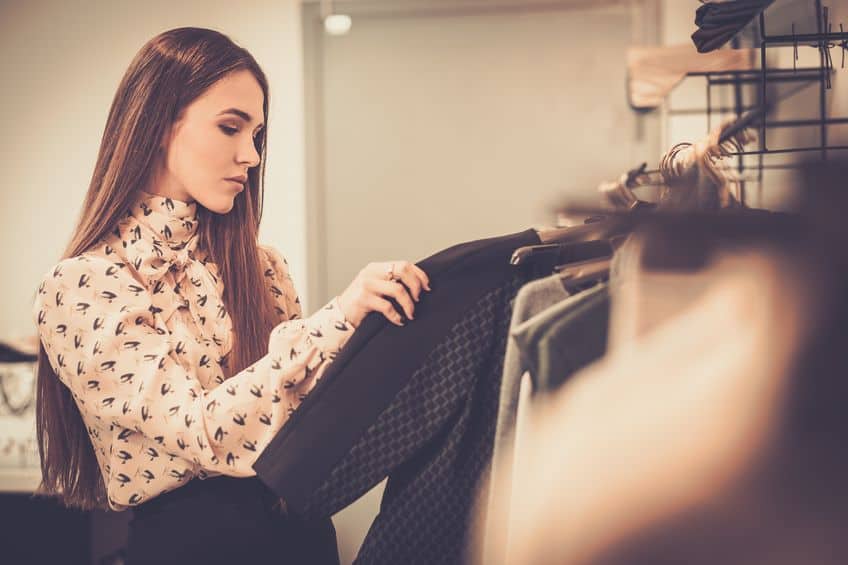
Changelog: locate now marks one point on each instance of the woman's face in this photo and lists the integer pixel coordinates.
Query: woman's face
(212, 142)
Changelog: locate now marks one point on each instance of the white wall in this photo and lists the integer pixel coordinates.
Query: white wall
(61, 64)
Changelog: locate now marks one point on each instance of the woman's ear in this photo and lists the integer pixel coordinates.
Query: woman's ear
(169, 134)
(165, 141)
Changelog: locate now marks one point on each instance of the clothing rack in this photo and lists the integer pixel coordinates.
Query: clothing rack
(824, 39)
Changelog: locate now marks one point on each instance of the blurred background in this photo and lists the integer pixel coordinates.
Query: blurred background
(397, 128)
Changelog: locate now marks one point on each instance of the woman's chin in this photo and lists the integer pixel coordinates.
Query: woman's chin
(220, 205)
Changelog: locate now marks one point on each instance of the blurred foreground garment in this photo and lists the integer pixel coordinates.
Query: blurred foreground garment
(708, 434)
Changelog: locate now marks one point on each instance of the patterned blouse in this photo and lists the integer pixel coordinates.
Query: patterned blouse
(137, 330)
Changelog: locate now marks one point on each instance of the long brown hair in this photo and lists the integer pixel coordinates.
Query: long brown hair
(168, 73)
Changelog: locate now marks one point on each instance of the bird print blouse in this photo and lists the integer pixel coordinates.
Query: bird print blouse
(137, 330)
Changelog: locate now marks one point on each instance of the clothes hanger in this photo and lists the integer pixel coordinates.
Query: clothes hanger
(583, 268)
(555, 250)
(620, 194)
(603, 229)
(551, 255)
(579, 284)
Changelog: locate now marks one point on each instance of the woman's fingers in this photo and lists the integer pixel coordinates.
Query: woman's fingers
(376, 303)
(396, 291)
(399, 280)
(407, 273)
(422, 276)
(412, 276)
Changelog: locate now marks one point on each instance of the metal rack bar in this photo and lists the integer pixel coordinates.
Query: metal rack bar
(813, 38)
(697, 111)
(790, 150)
(757, 80)
(821, 20)
(806, 123)
(756, 72)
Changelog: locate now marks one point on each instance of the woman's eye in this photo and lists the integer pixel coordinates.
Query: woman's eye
(228, 130)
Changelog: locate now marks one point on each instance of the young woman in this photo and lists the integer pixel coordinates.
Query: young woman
(173, 345)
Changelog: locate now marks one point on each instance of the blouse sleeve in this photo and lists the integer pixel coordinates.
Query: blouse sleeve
(106, 344)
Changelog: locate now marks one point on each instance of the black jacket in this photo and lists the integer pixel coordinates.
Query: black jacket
(417, 404)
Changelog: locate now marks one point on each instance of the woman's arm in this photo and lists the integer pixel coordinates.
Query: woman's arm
(107, 344)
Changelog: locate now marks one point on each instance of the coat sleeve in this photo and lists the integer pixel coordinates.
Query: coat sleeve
(107, 344)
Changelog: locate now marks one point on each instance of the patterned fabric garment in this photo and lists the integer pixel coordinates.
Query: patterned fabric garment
(136, 328)
(435, 443)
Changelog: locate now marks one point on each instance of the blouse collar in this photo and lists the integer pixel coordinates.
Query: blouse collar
(173, 223)
(159, 239)
(159, 234)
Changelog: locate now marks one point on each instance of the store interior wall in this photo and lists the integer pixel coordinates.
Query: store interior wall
(445, 125)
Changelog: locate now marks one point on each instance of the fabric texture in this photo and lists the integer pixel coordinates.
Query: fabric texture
(429, 418)
(136, 328)
(439, 461)
(225, 520)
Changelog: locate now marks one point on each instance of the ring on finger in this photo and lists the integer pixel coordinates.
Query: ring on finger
(392, 276)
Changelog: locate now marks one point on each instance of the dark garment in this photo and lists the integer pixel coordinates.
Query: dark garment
(436, 439)
(718, 22)
(565, 338)
(225, 520)
(417, 404)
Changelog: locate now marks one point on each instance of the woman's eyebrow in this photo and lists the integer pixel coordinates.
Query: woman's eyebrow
(240, 113)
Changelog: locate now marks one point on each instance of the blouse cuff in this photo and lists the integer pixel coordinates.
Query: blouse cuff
(328, 328)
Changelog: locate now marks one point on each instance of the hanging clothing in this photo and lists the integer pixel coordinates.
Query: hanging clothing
(428, 416)
(137, 330)
(544, 349)
(225, 520)
(564, 338)
(533, 298)
(671, 419)
(718, 22)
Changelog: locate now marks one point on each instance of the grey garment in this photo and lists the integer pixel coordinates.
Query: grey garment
(564, 338)
(624, 269)
(563, 319)
(533, 298)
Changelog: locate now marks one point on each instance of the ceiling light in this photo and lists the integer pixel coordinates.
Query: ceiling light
(337, 24)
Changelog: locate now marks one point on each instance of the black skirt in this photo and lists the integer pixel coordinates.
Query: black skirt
(226, 520)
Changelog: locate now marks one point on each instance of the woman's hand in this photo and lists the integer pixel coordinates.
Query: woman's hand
(376, 283)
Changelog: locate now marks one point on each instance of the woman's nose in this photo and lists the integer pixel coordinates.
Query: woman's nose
(249, 154)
